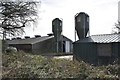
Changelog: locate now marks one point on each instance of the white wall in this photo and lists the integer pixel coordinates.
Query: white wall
(67, 46)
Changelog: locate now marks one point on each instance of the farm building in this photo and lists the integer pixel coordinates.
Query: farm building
(53, 43)
(96, 49)
(42, 45)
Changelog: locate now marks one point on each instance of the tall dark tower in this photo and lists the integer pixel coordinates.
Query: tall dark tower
(82, 24)
(57, 30)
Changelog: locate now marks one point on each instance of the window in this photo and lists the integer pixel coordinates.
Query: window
(104, 49)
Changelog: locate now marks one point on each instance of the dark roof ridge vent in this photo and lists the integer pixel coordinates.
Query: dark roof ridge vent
(37, 36)
(50, 34)
(18, 38)
(27, 37)
(13, 38)
(7, 38)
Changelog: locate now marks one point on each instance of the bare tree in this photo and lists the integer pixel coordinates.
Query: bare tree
(116, 29)
(117, 26)
(15, 15)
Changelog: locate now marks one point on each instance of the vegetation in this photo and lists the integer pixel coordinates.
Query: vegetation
(14, 16)
(24, 65)
(116, 29)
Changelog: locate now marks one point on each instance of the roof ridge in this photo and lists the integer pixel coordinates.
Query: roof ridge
(106, 34)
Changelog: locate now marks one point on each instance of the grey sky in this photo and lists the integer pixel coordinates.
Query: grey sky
(103, 15)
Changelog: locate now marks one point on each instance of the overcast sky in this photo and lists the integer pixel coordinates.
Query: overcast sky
(103, 15)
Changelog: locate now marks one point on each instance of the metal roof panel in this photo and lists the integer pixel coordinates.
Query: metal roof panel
(29, 40)
(106, 38)
(102, 38)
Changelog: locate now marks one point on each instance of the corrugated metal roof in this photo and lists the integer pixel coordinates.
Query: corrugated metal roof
(106, 38)
(29, 40)
(102, 38)
(34, 40)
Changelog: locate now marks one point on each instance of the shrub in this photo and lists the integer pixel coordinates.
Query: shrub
(24, 65)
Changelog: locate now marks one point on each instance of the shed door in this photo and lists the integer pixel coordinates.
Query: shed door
(104, 49)
(67, 46)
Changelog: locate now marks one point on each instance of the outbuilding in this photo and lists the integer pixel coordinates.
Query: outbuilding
(98, 49)
(45, 45)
